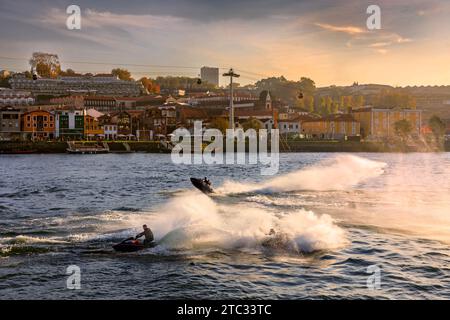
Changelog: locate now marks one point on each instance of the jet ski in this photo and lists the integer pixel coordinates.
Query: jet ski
(132, 245)
(202, 185)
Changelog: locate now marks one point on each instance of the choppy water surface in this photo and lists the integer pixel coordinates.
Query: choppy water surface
(334, 215)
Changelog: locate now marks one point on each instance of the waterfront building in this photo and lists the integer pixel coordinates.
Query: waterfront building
(100, 84)
(161, 120)
(9, 97)
(109, 126)
(110, 131)
(335, 126)
(210, 75)
(38, 125)
(123, 121)
(92, 128)
(10, 123)
(293, 124)
(378, 123)
(69, 124)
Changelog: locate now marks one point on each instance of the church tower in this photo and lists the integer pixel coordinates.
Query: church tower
(268, 101)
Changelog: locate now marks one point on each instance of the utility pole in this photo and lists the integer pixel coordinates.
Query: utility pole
(232, 75)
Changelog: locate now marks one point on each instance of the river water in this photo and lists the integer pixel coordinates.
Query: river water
(341, 221)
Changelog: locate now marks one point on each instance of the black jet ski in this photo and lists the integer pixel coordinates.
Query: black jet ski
(132, 245)
(201, 185)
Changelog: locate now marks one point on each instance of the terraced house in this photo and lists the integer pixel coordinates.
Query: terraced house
(10, 123)
(38, 125)
(69, 124)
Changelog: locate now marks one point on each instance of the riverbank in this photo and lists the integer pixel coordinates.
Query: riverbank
(26, 147)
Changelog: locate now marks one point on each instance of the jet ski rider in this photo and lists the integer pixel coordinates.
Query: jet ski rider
(147, 233)
(207, 181)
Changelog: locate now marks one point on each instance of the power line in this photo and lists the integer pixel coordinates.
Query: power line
(249, 74)
(139, 65)
(117, 64)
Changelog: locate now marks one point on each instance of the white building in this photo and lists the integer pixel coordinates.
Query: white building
(9, 97)
(69, 123)
(98, 84)
(110, 131)
(289, 126)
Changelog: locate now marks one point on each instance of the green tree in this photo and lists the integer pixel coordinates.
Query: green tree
(323, 105)
(300, 104)
(68, 72)
(288, 90)
(219, 123)
(122, 74)
(307, 86)
(403, 128)
(438, 127)
(309, 102)
(394, 99)
(252, 123)
(4, 82)
(359, 102)
(329, 105)
(335, 108)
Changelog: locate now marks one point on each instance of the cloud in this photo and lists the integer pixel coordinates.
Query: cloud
(351, 30)
(380, 44)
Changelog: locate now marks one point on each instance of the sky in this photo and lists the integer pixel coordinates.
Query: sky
(325, 40)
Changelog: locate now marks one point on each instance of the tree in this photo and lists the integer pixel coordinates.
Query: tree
(281, 87)
(45, 64)
(300, 104)
(329, 105)
(403, 128)
(359, 102)
(252, 123)
(335, 107)
(68, 72)
(4, 81)
(437, 126)
(122, 74)
(307, 86)
(309, 102)
(219, 123)
(394, 99)
(323, 106)
(150, 85)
